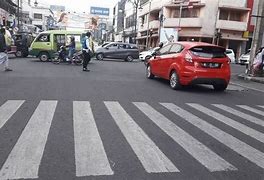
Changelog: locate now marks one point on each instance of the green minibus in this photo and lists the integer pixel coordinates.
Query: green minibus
(47, 43)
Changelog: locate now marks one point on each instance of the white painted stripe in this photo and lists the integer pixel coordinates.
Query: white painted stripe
(240, 114)
(151, 157)
(233, 143)
(24, 160)
(248, 87)
(90, 156)
(261, 106)
(200, 152)
(251, 109)
(230, 122)
(8, 109)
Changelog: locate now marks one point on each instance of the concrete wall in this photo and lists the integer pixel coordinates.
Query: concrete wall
(236, 3)
(209, 17)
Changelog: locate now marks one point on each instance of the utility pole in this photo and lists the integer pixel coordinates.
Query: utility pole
(147, 39)
(136, 5)
(18, 13)
(257, 36)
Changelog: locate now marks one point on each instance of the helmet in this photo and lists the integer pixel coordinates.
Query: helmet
(161, 44)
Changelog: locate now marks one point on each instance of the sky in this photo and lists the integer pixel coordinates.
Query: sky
(80, 5)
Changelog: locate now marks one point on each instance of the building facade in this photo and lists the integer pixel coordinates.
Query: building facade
(129, 23)
(8, 11)
(41, 17)
(118, 21)
(221, 22)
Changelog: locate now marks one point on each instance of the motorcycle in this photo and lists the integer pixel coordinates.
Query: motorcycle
(153, 53)
(61, 56)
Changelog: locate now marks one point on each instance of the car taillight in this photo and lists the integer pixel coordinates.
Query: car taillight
(188, 57)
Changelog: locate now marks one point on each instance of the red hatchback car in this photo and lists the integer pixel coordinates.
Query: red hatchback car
(188, 63)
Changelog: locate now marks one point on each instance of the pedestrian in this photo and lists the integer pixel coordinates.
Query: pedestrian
(3, 55)
(87, 50)
(71, 48)
(258, 62)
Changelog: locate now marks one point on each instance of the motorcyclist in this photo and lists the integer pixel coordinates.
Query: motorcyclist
(71, 49)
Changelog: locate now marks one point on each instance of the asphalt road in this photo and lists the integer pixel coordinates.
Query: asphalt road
(58, 122)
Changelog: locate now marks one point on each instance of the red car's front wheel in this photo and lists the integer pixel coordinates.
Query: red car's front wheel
(149, 73)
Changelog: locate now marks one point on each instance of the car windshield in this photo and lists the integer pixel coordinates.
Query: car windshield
(208, 51)
(228, 52)
(103, 45)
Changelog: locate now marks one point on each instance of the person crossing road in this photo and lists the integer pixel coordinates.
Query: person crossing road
(3, 55)
(86, 49)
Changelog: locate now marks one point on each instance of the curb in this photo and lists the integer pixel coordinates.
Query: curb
(249, 78)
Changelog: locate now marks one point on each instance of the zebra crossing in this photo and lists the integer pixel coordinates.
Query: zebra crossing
(91, 158)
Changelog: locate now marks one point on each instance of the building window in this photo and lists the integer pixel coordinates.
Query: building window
(223, 15)
(186, 13)
(235, 16)
(130, 21)
(37, 16)
(231, 15)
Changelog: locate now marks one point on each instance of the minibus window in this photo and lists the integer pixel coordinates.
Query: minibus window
(43, 38)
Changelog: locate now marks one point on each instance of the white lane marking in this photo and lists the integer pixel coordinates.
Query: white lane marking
(24, 160)
(230, 122)
(261, 106)
(151, 157)
(8, 109)
(240, 114)
(90, 156)
(200, 152)
(228, 140)
(247, 87)
(251, 109)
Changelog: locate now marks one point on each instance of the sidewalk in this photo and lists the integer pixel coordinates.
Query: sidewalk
(250, 78)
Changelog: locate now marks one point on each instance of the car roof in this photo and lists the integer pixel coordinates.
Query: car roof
(189, 45)
(123, 43)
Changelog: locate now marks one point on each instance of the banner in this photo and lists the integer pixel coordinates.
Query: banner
(168, 35)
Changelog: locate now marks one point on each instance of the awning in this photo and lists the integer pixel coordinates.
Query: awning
(235, 39)
(144, 37)
(11, 3)
(234, 8)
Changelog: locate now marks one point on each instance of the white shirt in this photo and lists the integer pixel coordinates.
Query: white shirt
(87, 41)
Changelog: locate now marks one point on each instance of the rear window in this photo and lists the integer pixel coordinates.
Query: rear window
(208, 52)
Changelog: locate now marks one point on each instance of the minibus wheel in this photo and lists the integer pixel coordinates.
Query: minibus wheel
(43, 56)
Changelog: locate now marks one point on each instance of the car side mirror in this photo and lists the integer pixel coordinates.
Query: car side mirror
(106, 47)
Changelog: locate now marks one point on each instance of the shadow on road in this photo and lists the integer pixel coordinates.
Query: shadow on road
(191, 88)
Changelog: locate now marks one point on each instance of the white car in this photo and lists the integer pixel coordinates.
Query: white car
(231, 55)
(147, 54)
(244, 58)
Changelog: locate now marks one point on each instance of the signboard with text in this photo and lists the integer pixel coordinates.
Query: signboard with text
(99, 11)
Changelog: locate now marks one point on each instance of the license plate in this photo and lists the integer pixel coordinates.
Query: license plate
(211, 65)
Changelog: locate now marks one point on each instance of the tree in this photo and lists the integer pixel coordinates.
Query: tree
(135, 4)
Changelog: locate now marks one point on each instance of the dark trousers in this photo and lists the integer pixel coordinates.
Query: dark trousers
(86, 59)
